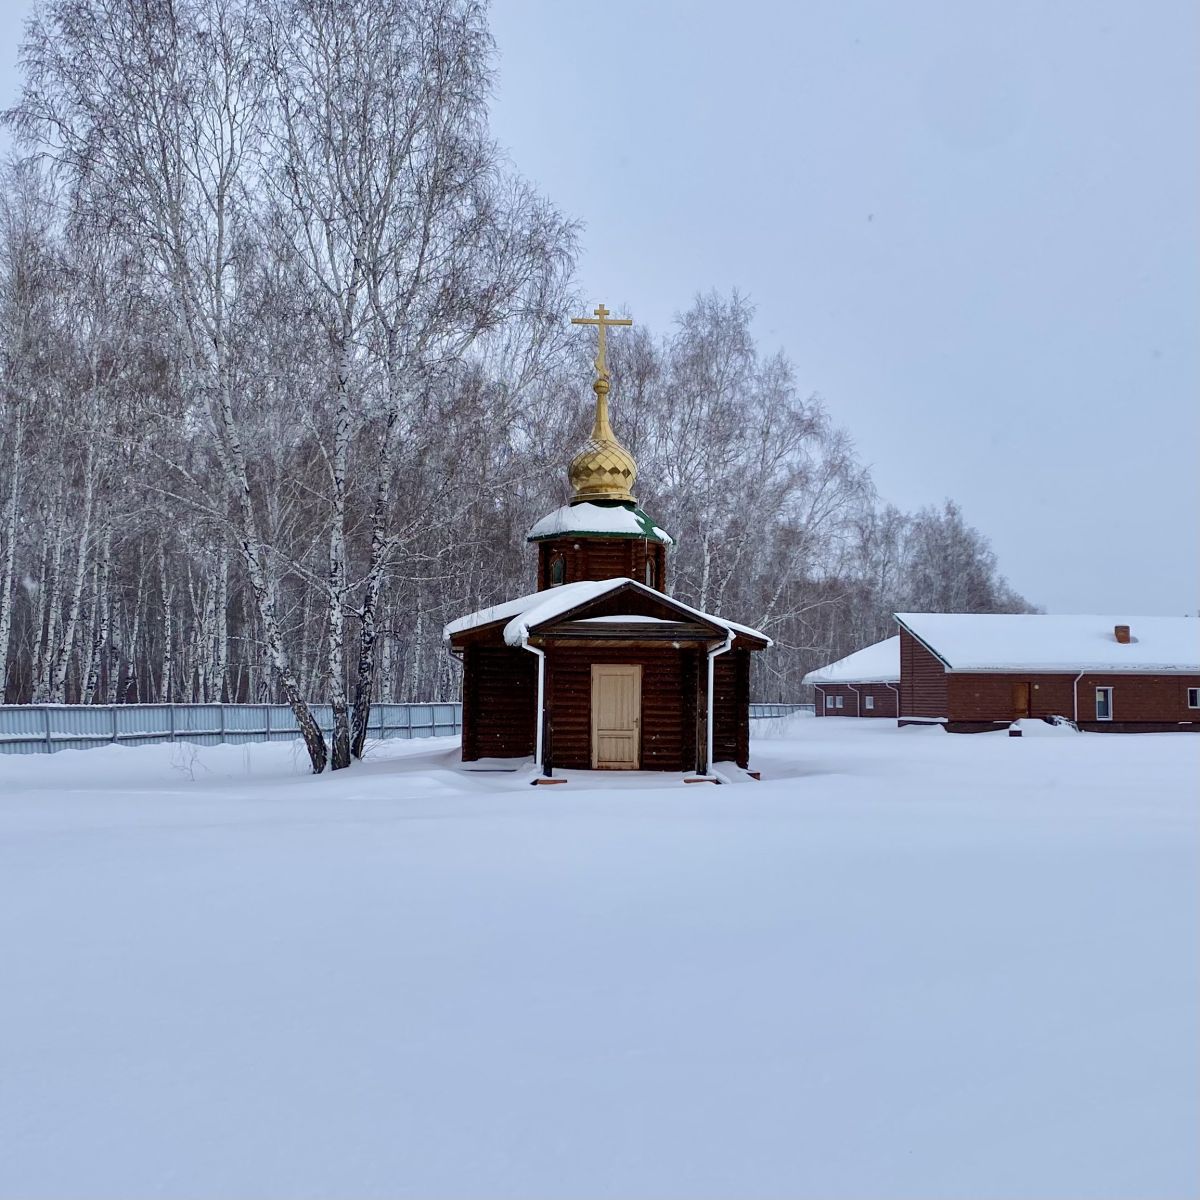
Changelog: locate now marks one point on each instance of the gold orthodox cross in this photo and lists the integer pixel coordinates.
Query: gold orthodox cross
(602, 321)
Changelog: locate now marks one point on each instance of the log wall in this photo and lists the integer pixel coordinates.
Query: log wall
(668, 730)
(854, 700)
(731, 707)
(499, 702)
(602, 558)
(922, 680)
(1139, 701)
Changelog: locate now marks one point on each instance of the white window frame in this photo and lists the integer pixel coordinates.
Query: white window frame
(868, 702)
(840, 702)
(828, 700)
(1109, 717)
(1193, 697)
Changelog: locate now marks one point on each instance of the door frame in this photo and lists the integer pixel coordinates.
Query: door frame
(599, 670)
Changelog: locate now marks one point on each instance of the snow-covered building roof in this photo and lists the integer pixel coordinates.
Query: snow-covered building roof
(879, 663)
(527, 613)
(612, 520)
(1051, 643)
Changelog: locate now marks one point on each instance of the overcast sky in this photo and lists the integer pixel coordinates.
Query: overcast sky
(973, 227)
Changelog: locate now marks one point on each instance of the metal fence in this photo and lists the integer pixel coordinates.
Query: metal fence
(43, 728)
(762, 712)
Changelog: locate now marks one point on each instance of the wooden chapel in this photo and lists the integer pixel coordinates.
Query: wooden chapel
(600, 668)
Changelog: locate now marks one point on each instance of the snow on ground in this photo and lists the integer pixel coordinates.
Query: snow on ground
(907, 964)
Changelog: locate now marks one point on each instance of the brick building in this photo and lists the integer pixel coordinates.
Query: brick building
(974, 672)
(863, 684)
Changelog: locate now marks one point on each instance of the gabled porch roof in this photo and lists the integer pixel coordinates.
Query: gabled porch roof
(571, 602)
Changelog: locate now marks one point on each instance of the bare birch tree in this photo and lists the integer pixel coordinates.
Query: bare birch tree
(151, 110)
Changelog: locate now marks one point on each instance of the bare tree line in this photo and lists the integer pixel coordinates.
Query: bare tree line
(286, 377)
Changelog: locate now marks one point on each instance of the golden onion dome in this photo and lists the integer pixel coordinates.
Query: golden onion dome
(603, 469)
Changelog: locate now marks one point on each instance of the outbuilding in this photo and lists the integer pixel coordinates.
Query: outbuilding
(972, 672)
(863, 684)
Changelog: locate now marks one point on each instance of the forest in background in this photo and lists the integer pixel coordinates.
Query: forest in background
(287, 374)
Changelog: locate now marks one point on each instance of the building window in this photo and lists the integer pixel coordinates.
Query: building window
(869, 702)
(839, 701)
(651, 574)
(828, 701)
(1193, 697)
(1104, 704)
(558, 570)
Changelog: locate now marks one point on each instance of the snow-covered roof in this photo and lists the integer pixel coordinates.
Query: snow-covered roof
(1041, 642)
(624, 619)
(528, 612)
(617, 520)
(879, 663)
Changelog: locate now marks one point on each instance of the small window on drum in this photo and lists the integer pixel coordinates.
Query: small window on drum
(558, 570)
(651, 573)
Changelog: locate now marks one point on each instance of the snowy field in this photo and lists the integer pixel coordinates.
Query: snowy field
(907, 964)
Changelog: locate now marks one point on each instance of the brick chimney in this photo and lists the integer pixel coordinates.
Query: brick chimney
(1121, 633)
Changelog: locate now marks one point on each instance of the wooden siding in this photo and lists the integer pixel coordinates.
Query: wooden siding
(731, 707)
(602, 558)
(668, 741)
(500, 682)
(922, 680)
(499, 702)
(885, 700)
(1138, 699)
(976, 701)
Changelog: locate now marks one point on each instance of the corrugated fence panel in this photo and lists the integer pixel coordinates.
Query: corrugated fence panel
(40, 728)
(446, 720)
(26, 731)
(420, 720)
(282, 723)
(763, 712)
(143, 723)
(73, 724)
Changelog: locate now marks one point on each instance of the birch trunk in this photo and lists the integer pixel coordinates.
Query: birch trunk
(337, 564)
(365, 679)
(165, 674)
(67, 645)
(91, 683)
(51, 597)
(418, 667)
(386, 688)
(238, 482)
(114, 659)
(10, 551)
(131, 683)
(303, 655)
(221, 625)
(253, 651)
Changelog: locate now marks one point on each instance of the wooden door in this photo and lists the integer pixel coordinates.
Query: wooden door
(1020, 694)
(616, 717)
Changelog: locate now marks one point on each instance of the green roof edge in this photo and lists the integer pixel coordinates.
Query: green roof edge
(647, 522)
